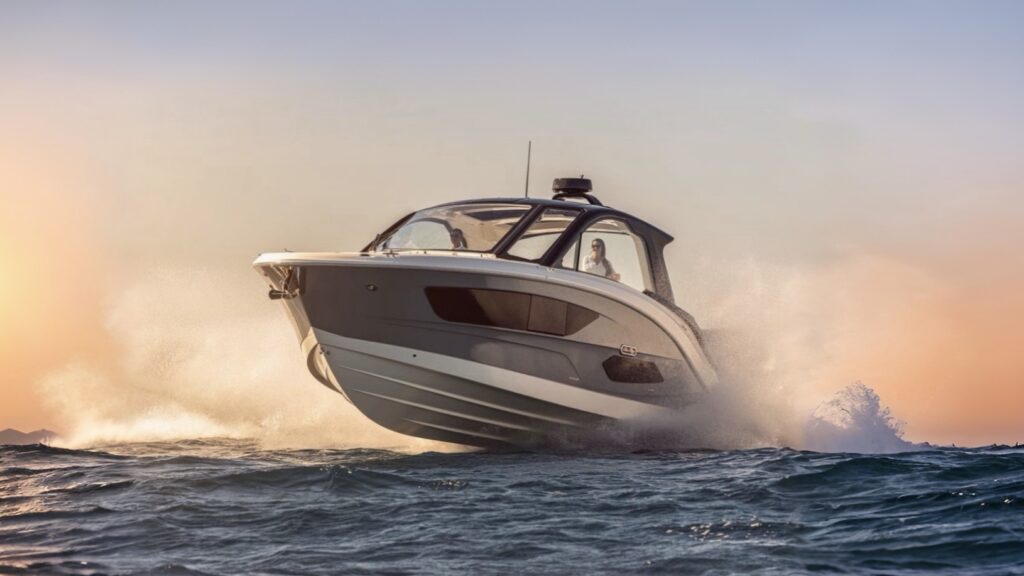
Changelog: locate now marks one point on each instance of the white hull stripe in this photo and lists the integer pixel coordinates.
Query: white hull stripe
(465, 399)
(500, 378)
(458, 431)
(446, 412)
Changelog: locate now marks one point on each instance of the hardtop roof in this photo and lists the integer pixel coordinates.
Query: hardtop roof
(547, 202)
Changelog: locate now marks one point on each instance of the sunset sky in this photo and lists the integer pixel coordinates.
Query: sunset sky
(844, 180)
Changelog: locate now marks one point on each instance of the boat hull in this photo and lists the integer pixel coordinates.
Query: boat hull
(487, 353)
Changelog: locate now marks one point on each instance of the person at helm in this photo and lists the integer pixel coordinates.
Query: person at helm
(597, 263)
(458, 239)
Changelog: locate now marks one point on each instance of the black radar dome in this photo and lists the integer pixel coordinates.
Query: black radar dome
(574, 188)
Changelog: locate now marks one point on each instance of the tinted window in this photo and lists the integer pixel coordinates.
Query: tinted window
(507, 309)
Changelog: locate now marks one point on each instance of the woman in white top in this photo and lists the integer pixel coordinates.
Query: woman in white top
(596, 263)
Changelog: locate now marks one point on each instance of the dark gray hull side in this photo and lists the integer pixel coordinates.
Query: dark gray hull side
(369, 331)
(397, 311)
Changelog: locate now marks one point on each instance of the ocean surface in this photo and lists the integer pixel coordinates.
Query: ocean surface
(228, 507)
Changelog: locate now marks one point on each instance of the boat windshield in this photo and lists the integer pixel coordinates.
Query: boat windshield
(460, 227)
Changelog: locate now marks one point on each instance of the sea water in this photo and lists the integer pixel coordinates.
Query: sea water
(133, 490)
(231, 507)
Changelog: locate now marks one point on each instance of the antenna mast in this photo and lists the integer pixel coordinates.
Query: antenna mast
(529, 149)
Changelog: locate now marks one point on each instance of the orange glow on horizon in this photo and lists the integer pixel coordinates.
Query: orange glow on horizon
(943, 352)
(50, 275)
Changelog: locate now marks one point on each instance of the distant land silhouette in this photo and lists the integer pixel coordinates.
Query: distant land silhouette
(12, 436)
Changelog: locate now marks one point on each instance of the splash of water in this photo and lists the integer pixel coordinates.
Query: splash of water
(202, 353)
(854, 420)
(776, 328)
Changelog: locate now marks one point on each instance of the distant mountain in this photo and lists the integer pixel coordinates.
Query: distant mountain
(12, 436)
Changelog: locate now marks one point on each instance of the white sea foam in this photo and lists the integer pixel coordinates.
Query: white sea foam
(747, 410)
(773, 331)
(854, 420)
(203, 353)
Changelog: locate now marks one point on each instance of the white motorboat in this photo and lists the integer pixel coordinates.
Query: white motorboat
(499, 322)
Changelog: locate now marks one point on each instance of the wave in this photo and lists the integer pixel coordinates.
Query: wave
(767, 509)
(855, 420)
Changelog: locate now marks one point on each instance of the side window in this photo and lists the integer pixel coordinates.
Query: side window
(549, 227)
(420, 234)
(610, 249)
(475, 227)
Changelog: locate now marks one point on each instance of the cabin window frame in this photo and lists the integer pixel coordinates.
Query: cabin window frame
(529, 215)
(545, 259)
(647, 267)
(654, 239)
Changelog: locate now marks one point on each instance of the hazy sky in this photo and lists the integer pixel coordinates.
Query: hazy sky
(848, 173)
